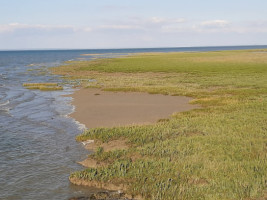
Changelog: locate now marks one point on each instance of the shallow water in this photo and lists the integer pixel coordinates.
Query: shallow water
(37, 140)
(37, 146)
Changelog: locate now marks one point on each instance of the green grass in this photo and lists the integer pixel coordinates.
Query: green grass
(43, 86)
(205, 62)
(216, 152)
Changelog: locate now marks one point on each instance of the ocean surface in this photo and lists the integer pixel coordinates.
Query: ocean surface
(37, 138)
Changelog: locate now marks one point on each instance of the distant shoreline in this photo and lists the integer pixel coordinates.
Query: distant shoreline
(212, 48)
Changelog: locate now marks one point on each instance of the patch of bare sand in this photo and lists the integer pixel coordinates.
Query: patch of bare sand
(96, 108)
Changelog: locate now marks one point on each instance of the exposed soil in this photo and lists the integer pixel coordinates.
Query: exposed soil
(96, 108)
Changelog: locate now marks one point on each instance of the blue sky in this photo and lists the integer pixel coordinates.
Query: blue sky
(42, 24)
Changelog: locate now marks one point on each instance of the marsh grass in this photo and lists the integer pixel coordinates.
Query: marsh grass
(43, 86)
(216, 152)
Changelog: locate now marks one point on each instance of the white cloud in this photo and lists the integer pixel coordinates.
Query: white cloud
(86, 29)
(159, 20)
(141, 24)
(16, 27)
(153, 25)
(215, 23)
(227, 27)
(211, 26)
(119, 27)
(134, 32)
(176, 29)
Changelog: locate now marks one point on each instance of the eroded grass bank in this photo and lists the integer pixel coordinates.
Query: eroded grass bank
(217, 152)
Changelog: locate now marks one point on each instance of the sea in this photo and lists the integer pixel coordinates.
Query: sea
(38, 150)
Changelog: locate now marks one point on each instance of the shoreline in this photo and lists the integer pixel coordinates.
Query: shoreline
(115, 109)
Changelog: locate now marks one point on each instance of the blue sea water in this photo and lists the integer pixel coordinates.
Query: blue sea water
(37, 138)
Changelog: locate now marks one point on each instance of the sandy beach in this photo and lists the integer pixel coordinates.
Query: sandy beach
(96, 108)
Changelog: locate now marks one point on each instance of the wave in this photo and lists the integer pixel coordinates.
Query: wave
(4, 106)
(3, 76)
(4, 103)
(81, 126)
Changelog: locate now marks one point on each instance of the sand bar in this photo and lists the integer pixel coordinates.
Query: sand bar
(96, 108)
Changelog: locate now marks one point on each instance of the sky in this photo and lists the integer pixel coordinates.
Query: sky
(91, 24)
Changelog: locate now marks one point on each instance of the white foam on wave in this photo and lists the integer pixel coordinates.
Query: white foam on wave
(88, 142)
(80, 126)
(5, 110)
(4, 107)
(4, 103)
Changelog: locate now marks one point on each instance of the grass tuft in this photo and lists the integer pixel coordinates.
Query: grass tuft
(43, 86)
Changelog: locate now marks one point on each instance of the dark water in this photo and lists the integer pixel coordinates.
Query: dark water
(37, 146)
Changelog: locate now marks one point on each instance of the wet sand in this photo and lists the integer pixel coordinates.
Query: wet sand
(96, 108)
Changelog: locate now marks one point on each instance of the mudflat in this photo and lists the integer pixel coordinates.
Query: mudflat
(96, 108)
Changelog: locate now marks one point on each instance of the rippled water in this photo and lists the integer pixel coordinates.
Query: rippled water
(37, 140)
(37, 146)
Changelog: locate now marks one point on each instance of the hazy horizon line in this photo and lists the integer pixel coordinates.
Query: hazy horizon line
(163, 47)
